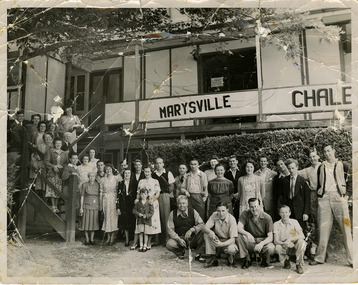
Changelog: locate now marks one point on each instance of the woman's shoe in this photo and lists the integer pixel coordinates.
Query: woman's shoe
(149, 247)
(141, 249)
(92, 242)
(126, 244)
(86, 243)
(134, 247)
(144, 249)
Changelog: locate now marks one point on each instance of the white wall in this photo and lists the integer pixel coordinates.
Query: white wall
(277, 70)
(129, 78)
(107, 63)
(35, 86)
(157, 74)
(35, 92)
(230, 45)
(56, 82)
(184, 72)
(323, 60)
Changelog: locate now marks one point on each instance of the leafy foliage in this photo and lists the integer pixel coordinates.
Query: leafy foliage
(68, 33)
(291, 143)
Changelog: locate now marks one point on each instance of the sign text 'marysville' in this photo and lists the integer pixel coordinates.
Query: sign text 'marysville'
(195, 106)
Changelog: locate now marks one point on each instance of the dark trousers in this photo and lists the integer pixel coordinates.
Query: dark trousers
(196, 242)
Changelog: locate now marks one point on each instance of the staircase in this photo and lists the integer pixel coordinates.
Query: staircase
(65, 225)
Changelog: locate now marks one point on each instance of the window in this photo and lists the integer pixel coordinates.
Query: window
(77, 93)
(229, 71)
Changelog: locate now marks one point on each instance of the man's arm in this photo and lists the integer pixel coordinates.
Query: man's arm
(171, 228)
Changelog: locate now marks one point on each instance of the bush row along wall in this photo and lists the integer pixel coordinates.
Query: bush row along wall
(288, 143)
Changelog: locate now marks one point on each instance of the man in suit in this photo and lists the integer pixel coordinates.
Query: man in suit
(66, 144)
(296, 194)
(233, 174)
(19, 143)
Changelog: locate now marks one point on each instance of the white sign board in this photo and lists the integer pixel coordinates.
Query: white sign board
(199, 106)
(307, 99)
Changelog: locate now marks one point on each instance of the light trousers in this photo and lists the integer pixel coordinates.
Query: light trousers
(332, 204)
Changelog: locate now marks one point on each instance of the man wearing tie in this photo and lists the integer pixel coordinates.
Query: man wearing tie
(233, 174)
(296, 194)
(177, 184)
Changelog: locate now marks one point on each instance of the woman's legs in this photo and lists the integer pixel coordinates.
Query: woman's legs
(91, 235)
(141, 240)
(126, 233)
(145, 240)
(86, 235)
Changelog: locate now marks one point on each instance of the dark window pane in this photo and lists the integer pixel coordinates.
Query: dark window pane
(230, 71)
(80, 83)
(113, 88)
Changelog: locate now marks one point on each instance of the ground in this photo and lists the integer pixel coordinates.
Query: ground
(49, 256)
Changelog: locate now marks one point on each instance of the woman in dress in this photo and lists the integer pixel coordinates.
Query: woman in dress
(108, 198)
(84, 169)
(125, 204)
(69, 123)
(37, 157)
(152, 185)
(55, 160)
(90, 207)
(249, 186)
(220, 189)
(92, 157)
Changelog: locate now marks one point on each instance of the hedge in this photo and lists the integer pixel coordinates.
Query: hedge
(287, 143)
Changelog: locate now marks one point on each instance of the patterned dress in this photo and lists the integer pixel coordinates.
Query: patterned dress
(109, 187)
(154, 189)
(249, 187)
(90, 192)
(54, 157)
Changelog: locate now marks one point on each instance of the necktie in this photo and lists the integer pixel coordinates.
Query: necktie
(292, 188)
(184, 215)
(182, 179)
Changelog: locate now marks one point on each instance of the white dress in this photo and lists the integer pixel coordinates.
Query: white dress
(154, 189)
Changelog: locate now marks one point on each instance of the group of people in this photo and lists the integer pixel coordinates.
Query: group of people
(245, 213)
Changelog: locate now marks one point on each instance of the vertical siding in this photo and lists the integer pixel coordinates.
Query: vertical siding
(157, 74)
(184, 72)
(277, 70)
(35, 87)
(129, 78)
(323, 60)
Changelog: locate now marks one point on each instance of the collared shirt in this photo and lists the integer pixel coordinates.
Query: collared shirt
(171, 227)
(259, 228)
(177, 185)
(224, 229)
(170, 175)
(287, 231)
(310, 174)
(195, 182)
(331, 184)
(210, 174)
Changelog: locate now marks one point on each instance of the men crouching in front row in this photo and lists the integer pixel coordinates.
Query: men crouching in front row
(254, 235)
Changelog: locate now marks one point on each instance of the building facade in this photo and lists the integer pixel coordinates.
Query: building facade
(163, 90)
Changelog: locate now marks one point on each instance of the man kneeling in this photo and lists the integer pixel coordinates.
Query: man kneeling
(182, 224)
(289, 239)
(255, 234)
(220, 232)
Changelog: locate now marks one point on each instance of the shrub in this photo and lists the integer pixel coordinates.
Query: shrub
(288, 143)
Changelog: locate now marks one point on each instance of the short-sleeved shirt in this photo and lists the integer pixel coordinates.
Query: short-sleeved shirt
(224, 229)
(287, 231)
(259, 228)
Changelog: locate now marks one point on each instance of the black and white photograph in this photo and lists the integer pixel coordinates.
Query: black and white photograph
(185, 142)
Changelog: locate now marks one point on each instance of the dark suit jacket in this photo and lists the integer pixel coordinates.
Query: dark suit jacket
(238, 174)
(300, 204)
(68, 148)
